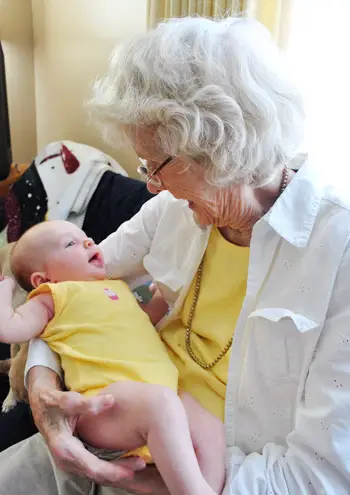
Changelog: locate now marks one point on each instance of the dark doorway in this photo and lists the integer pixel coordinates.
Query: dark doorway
(5, 138)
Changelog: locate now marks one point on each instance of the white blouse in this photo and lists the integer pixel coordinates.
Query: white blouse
(288, 392)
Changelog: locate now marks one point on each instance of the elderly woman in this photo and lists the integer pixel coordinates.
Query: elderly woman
(249, 247)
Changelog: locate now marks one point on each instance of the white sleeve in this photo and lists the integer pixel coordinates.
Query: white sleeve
(317, 460)
(40, 354)
(125, 249)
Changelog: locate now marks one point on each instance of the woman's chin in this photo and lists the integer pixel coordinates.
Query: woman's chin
(201, 220)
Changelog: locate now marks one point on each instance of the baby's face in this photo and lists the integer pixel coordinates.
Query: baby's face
(73, 256)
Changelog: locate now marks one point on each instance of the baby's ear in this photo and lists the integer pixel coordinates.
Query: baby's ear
(38, 278)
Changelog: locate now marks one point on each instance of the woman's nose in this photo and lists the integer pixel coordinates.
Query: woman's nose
(88, 243)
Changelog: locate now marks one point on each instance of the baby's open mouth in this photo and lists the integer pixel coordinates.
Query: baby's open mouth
(96, 259)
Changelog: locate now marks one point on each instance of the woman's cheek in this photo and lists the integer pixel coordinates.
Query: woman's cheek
(153, 189)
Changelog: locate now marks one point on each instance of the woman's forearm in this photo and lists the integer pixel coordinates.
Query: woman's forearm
(41, 378)
(42, 384)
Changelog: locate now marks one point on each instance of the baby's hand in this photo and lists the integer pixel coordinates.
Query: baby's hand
(7, 283)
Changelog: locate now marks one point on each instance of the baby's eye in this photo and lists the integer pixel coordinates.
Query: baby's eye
(70, 244)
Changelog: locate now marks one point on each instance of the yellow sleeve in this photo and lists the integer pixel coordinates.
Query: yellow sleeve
(56, 292)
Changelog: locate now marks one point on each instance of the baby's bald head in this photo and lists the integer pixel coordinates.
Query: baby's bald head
(56, 251)
(31, 252)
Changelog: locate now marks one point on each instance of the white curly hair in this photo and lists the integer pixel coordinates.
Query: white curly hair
(214, 90)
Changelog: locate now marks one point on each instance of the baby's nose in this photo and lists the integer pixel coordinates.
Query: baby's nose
(88, 243)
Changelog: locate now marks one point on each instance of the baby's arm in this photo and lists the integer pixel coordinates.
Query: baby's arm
(27, 321)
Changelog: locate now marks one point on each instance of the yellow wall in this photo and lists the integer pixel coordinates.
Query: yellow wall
(73, 40)
(17, 37)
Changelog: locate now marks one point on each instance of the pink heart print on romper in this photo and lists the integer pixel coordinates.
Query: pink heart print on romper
(111, 294)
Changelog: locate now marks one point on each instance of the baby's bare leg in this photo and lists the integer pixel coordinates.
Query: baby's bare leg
(152, 415)
(208, 437)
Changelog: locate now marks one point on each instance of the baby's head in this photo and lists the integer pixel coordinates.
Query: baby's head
(56, 251)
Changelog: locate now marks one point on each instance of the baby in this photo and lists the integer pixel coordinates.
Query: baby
(108, 345)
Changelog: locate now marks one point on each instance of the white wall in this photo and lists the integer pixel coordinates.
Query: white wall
(72, 41)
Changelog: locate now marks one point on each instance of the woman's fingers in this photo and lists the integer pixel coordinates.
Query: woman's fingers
(75, 404)
(153, 288)
(71, 456)
(144, 482)
(62, 409)
(133, 463)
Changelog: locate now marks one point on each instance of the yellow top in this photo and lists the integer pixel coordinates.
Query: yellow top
(220, 300)
(102, 336)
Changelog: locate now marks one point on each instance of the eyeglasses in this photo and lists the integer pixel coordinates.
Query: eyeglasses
(152, 178)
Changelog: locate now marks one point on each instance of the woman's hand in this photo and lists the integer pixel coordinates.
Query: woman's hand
(148, 482)
(56, 413)
(157, 307)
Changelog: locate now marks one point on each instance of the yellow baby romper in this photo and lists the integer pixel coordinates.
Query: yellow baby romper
(102, 336)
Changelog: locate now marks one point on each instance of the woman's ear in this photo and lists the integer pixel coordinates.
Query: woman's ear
(38, 278)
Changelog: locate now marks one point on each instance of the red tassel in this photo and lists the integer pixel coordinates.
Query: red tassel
(70, 161)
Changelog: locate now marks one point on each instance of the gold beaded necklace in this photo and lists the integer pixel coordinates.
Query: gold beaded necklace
(188, 330)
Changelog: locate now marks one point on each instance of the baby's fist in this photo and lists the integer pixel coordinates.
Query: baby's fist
(7, 282)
